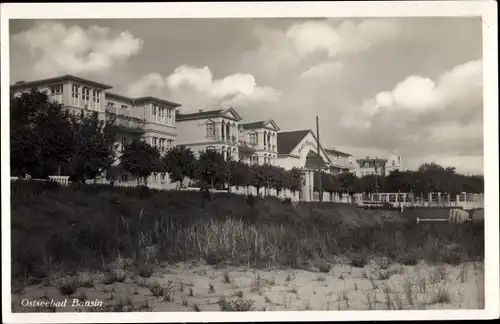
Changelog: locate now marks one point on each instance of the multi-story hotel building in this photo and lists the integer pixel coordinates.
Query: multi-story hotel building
(161, 123)
(152, 119)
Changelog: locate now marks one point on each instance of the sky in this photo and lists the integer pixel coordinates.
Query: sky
(406, 86)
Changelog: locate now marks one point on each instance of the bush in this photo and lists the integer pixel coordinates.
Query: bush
(409, 258)
(359, 260)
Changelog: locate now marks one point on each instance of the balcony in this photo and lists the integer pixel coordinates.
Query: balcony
(244, 146)
(270, 147)
(127, 123)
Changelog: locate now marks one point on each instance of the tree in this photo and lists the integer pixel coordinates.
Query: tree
(41, 138)
(179, 162)
(239, 174)
(330, 183)
(347, 181)
(258, 177)
(280, 179)
(295, 179)
(94, 146)
(211, 168)
(140, 159)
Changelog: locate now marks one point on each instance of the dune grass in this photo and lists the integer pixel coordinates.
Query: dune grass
(89, 226)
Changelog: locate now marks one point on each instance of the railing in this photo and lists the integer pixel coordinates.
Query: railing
(62, 180)
(248, 145)
(130, 124)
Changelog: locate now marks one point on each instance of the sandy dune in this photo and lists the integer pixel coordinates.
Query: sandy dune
(342, 288)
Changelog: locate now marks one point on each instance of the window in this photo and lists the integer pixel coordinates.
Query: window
(169, 116)
(162, 114)
(56, 93)
(96, 98)
(162, 177)
(154, 113)
(75, 89)
(155, 141)
(162, 144)
(155, 177)
(86, 97)
(170, 144)
(124, 107)
(124, 177)
(210, 130)
(253, 138)
(393, 162)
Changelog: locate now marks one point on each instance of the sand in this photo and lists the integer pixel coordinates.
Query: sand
(198, 287)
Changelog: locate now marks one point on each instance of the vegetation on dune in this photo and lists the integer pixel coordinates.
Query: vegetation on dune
(90, 225)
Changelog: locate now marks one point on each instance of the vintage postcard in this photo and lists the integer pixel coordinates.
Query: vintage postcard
(169, 162)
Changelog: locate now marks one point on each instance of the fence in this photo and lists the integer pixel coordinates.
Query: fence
(463, 200)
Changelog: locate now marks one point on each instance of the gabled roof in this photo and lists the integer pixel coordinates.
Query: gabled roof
(337, 152)
(210, 114)
(261, 124)
(68, 77)
(287, 141)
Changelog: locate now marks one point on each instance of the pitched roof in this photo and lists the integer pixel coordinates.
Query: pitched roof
(371, 162)
(157, 100)
(314, 161)
(334, 151)
(68, 77)
(287, 141)
(206, 114)
(259, 124)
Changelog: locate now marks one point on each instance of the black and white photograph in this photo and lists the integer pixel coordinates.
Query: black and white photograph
(319, 160)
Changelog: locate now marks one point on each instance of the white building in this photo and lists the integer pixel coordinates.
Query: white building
(259, 142)
(159, 123)
(341, 161)
(213, 129)
(376, 166)
(152, 119)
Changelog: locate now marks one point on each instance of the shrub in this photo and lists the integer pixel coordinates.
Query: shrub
(359, 260)
(67, 286)
(409, 258)
(238, 305)
(145, 271)
(156, 289)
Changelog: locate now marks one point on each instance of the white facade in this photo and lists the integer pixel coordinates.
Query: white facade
(375, 166)
(298, 155)
(217, 129)
(157, 121)
(258, 142)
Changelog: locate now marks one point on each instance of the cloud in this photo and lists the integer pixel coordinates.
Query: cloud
(279, 51)
(420, 116)
(57, 48)
(196, 88)
(323, 70)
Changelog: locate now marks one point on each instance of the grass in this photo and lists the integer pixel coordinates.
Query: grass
(86, 226)
(238, 305)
